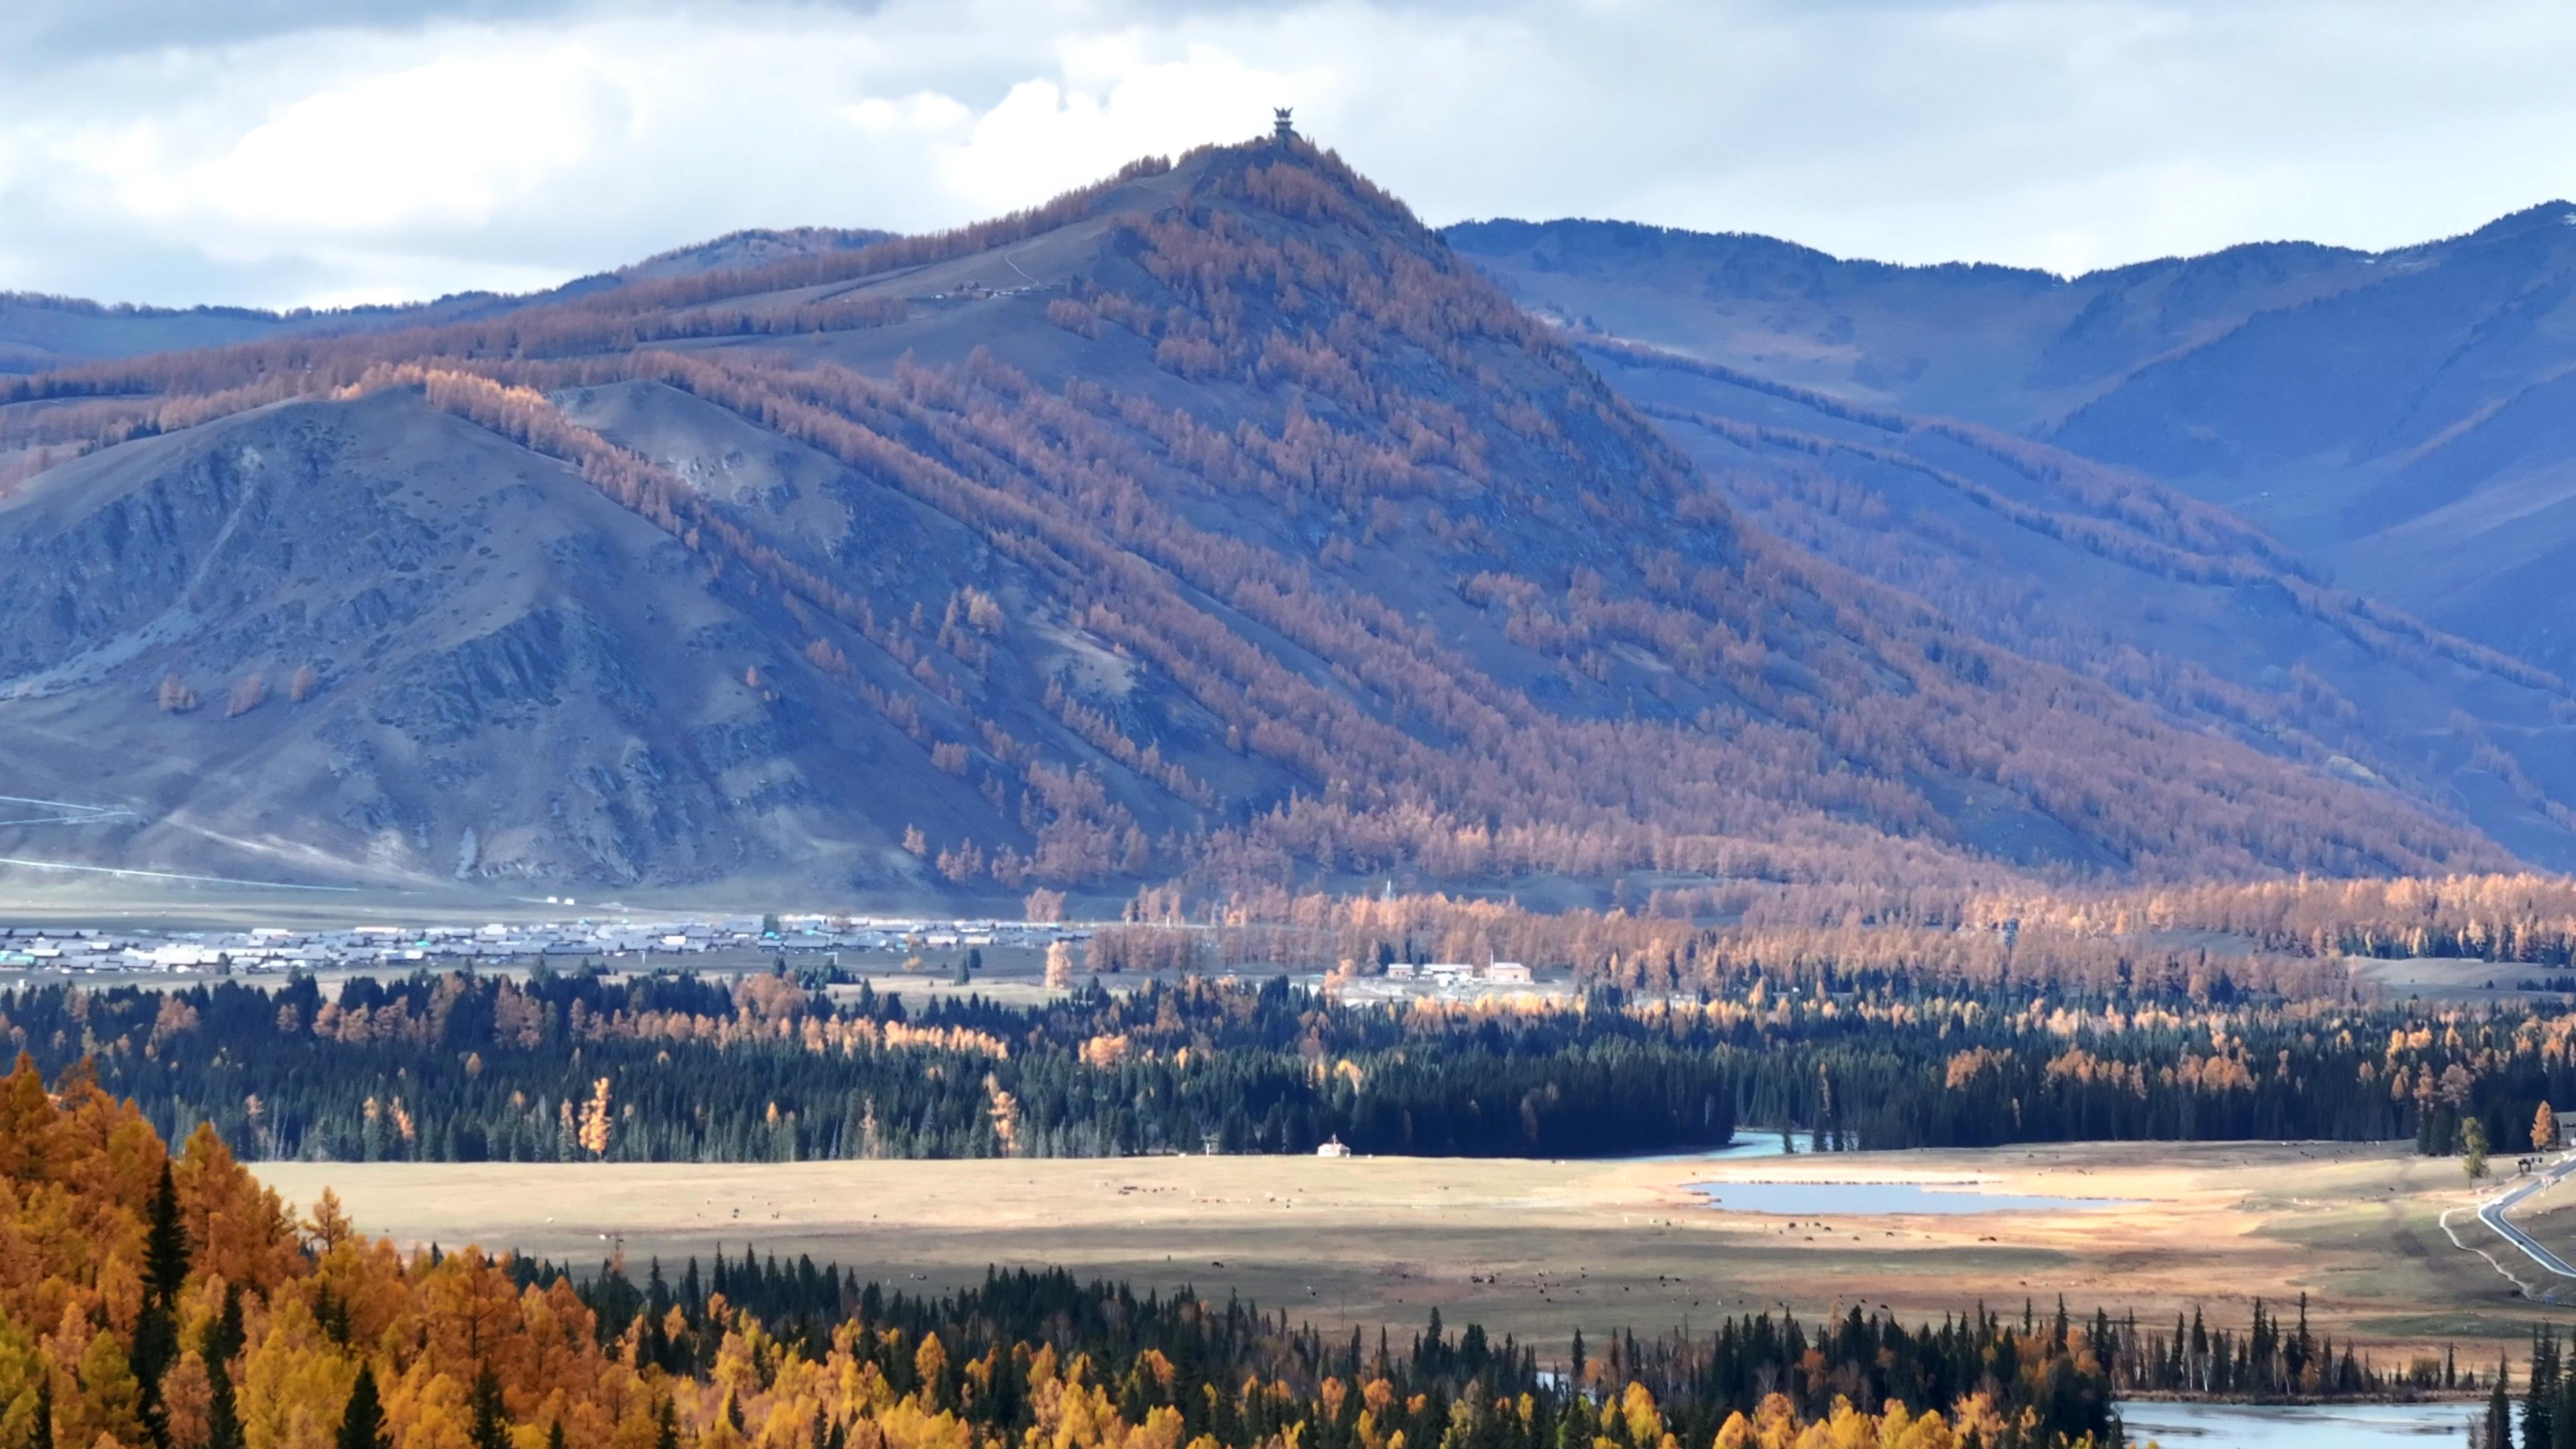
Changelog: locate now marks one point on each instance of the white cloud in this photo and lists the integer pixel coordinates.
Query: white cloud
(922, 114)
(1115, 101)
(446, 144)
(449, 144)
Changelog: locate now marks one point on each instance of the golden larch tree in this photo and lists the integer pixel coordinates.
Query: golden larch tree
(595, 1120)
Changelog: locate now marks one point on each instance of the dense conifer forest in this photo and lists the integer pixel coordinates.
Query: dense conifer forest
(588, 1066)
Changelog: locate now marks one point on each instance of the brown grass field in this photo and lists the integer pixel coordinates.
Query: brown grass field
(1540, 1248)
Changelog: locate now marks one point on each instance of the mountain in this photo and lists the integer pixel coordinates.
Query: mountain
(1218, 522)
(2009, 347)
(739, 251)
(2395, 417)
(38, 332)
(2244, 488)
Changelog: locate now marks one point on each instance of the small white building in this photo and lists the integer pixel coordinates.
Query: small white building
(1333, 1147)
(1511, 972)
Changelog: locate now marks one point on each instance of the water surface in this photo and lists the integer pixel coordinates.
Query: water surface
(1746, 1145)
(2282, 1426)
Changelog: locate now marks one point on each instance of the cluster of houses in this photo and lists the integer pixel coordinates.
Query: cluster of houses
(1441, 980)
(1450, 973)
(68, 949)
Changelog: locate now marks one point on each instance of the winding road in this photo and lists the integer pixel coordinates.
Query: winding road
(2492, 1213)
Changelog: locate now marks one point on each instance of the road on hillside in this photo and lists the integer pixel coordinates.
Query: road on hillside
(58, 812)
(2492, 1213)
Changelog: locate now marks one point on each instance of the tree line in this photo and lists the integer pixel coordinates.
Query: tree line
(584, 1065)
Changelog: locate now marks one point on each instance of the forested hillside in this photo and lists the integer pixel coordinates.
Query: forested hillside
(2310, 497)
(1216, 523)
(2168, 599)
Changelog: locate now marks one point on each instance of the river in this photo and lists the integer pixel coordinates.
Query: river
(2281, 1426)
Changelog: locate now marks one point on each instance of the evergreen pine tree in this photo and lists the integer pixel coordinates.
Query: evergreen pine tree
(156, 1347)
(223, 1413)
(156, 1332)
(2302, 1348)
(491, 1429)
(2540, 1395)
(362, 1419)
(165, 1243)
(655, 1344)
(217, 1344)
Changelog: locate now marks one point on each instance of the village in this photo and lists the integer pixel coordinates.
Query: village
(58, 949)
(844, 948)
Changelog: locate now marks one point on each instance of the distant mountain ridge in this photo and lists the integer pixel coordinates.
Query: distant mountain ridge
(2390, 415)
(1216, 523)
(40, 331)
(2388, 423)
(752, 248)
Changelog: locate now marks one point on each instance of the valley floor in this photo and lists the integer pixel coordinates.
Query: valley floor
(1539, 1248)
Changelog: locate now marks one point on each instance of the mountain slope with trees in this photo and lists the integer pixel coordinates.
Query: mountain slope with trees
(2243, 488)
(1216, 522)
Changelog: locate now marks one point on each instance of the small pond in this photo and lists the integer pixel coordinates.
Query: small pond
(2279, 1426)
(1746, 1145)
(1877, 1199)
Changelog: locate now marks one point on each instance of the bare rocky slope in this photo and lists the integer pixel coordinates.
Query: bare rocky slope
(1217, 523)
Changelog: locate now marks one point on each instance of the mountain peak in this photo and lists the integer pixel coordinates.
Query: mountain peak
(1214, 522)
(2511, 224)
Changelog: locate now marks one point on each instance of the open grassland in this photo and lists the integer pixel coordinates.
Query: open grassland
(1539, 1248)
(2450, 978)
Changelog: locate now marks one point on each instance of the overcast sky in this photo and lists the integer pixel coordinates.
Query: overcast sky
(181, 151)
